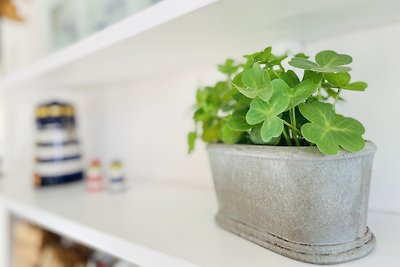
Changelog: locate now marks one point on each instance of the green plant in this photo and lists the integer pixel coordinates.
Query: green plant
(262, 102)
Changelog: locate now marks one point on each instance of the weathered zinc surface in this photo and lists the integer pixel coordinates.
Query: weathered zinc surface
(295, 200)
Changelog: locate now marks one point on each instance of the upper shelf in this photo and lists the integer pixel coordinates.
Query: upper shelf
(176, 35)
(163, 224)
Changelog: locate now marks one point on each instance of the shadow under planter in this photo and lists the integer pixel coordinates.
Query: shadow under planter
(295, 200)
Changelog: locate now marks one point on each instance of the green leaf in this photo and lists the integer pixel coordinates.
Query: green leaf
(254, 82)
(356, 86)
(331, 69)
(228, 94)
(191, 139)
(211, 133)
(302, 63)
(311, 75)
(342, 79)
(229, 136)
(280, 86)
(255, 137)
(301, 55)
(277, 60)
(242, 101)
(228, 67)
(267, 112)
(301, 92)
(329, 58)
(290, 78)
(260, 57)
(263, 57)
(237, 121)
(296, 95)
(339, 79)
(200, 115)
(330, 131)
(331, 93)
(326, 61)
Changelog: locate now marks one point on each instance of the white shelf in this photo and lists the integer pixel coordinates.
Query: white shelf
(176, 35)
(160, 224)
(105, 39)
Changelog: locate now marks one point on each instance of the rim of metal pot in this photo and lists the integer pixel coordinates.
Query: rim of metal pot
(287, 152)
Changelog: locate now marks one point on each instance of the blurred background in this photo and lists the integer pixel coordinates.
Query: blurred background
(131, 69)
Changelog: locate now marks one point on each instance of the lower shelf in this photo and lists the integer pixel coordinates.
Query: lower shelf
(164, 224)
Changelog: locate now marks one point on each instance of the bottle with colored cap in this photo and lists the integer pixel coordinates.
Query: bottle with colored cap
(116, 179)
(94, 179)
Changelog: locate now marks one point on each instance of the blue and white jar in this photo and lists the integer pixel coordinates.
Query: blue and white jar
(58, 157)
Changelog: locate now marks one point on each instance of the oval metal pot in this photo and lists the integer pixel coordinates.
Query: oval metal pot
(294, 200)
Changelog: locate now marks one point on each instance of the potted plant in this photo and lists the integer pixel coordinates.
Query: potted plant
(290, 173)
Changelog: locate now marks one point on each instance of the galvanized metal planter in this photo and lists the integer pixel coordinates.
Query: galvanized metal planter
(294, 200)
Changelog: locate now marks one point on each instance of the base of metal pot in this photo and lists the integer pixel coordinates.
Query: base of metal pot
(311, 253)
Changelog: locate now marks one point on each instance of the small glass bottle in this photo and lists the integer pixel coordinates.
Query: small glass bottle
(94, 179)
(116, 179)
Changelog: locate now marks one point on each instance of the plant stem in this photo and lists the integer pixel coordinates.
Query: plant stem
(291, 126)
(319, 95)
(285, 134)
(274, 72)
(294, 116)
(293, 123)
(291, 118)
(337, 97)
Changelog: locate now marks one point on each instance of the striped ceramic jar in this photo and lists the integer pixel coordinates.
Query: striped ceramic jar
(58, 157)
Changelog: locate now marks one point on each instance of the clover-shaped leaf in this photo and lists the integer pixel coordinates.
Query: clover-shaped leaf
(356, 86)
(254, 82)
(290, 77)
(330, 131)
(211, 133)
(237, 121)
(267, 112)
(342, 80)
(313, 76)
(255, 137)
(326, 61)
(228, 67)
(297, 94)
(277, 60)
(303, 63)
(329, 58)
(229, 136)
(261, 57)
(301, 55)
(339, 79)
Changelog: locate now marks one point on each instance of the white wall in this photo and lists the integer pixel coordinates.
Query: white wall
(376, 57)
(23, 42)
(142, 123)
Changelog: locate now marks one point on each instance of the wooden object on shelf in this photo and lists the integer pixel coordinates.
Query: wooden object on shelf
(36, 247)
(55, 255)
(29, 241)
(8, 10)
